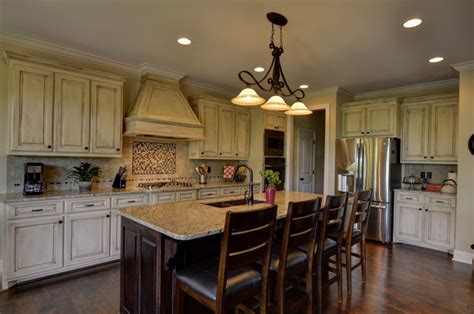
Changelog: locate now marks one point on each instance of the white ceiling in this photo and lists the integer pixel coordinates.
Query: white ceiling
(357, 44)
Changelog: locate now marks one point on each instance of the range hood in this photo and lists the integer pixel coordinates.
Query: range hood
(161, 110)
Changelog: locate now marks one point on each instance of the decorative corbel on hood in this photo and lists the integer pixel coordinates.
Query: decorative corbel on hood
(161, 110)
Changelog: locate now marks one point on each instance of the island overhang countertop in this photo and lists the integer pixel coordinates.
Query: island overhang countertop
(192, 220)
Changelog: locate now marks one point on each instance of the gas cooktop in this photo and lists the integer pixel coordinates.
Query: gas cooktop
(160, 185)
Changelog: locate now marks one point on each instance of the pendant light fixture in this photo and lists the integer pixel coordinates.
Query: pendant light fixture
(274, 77)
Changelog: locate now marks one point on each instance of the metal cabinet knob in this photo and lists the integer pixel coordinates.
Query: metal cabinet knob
(60, 222)
(86, 148)
(420, 208)
(49, 146)
(118, 149)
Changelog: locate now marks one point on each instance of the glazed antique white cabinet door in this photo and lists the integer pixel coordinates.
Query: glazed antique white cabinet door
(31, 101)
(280, 122)
(106, 118)
(226, 131)
(71, 113)
(209, 116)
(353, 122)
(34, 245)
(408, 222)
(380, 120)
(439, 226)
(415, 132)
(87, 236)
(443, 136)
(269, 120)
(242, 134)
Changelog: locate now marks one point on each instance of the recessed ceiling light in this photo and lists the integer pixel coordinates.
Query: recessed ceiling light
(184, 41)
(436, 59)
(259, 69)
(412, 23)
(303, 86)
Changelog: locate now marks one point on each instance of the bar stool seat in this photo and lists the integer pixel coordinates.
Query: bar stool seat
(202, 278)
(295, 258)
(329, 244)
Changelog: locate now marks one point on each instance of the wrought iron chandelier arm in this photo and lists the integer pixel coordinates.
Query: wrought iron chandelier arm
(255, 81)
(290, 91)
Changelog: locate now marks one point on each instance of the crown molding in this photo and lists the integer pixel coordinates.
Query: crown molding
(145, 68)
(397, 91)
(464, 66)
(323, 91)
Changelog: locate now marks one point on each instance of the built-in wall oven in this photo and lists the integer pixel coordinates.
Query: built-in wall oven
(276, 164)
(274, 143)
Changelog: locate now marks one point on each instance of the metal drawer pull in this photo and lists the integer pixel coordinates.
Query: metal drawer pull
(409, 198)
(89, 205)
(37, 210)
(437, 201)
(132, 201)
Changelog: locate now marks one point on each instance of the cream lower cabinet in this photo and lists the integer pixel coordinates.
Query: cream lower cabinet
(429, 129)
(87, 236)
(63, 111)
(374, 117)
(417, 221)
(115, 233)
(227, 130)
(34, 245)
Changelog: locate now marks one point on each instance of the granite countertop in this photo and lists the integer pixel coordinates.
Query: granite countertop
(425, 192)
(60, 194)
(195, 219)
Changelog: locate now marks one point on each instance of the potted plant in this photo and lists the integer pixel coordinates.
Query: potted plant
(272, 179)
(84, 173)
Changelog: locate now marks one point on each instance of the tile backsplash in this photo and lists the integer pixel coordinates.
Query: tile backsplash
(439, 172)
(146, 160)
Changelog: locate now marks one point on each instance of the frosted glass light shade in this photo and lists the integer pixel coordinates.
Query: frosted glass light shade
(248, 97)
(275, 103)
(298, 109)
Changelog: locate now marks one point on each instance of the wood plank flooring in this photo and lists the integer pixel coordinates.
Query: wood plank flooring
(400, 279)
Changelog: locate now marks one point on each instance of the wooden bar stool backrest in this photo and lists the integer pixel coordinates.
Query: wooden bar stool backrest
(333, 218)
(246, 240)
(360, 211)
(300, 229)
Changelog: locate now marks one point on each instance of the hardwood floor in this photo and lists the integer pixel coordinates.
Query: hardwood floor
(400, 279)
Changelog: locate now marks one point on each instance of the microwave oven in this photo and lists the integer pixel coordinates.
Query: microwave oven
(274, 143)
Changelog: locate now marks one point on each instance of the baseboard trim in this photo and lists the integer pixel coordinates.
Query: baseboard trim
(463, 257)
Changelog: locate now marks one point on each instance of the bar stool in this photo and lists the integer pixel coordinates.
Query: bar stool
(288, 260)
(221, 285)
(332, 222)
(360, 216)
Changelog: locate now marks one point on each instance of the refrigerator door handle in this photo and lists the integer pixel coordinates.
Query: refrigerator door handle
(378, 206)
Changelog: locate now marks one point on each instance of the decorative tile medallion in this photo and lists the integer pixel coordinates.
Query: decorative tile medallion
(153, 158)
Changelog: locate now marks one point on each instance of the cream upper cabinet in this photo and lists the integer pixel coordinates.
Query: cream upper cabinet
(275, 121)
(227, 130)
(106, 118)
(58, 110)
(242, 133)
(415, 120)
(444, 127)
(430, 129)
(374, 117)
(353, 122)
(71, 113)
(31, 100)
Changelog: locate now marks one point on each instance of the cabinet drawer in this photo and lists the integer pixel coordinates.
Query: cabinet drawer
(88, 204)
(182, 196)
(164, 197)
(409, 198)
(129, 200)
(235, 190)
(442, 201)
(23, 210)
(208, 193)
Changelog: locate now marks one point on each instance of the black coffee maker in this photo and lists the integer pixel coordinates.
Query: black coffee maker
(33, 182)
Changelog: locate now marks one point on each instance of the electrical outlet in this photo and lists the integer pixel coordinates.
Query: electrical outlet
(428, 175)
(422, 174)
(209, 169)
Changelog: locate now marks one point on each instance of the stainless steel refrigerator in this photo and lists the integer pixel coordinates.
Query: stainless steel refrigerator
(371, 163)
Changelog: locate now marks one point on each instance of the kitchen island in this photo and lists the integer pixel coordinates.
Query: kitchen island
(158, 239)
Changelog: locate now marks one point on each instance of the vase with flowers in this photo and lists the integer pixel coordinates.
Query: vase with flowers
(272, 179)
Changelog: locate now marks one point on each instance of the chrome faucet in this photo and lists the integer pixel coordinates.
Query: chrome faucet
(249, 192)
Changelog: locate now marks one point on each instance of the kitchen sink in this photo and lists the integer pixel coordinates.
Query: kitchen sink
(233, 203)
